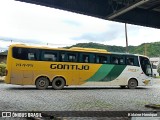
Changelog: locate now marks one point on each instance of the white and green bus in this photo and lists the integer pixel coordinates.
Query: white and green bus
(59, 67)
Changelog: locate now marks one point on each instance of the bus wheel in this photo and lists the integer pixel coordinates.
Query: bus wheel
(42, 83)
(58, 83)
(132, 84)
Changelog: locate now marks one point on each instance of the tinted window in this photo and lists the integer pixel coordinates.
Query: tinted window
(68, 57)
(25, 53)
(132, 60)
(62, 57)
(49, 56)
(103, 59)
(85, 58)
(72, 57)
(117, 59)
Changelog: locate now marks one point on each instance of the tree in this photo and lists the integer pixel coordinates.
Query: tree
(2, 69)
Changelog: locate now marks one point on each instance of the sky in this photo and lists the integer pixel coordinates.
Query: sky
(32, 24)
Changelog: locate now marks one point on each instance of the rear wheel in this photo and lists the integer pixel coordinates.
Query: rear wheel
(58, 83)
(132, 84)
(42, 83)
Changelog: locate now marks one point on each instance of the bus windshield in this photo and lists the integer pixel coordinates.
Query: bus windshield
(146, 66)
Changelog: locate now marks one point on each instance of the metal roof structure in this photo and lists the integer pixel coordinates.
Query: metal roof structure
(138, 12)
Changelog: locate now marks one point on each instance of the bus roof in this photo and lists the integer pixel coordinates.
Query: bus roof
(80, 49)
(70, 49)
(118, 53)
(88, 49)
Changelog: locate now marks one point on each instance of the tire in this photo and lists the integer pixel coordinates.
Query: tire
(42, 83)
(132, 84)
(58, 83)
(122, 87)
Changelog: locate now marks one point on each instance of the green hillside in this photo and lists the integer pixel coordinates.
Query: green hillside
(152, 49)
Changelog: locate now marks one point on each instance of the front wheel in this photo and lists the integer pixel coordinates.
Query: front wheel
(42, 83)
(58, 83)
(132, 84)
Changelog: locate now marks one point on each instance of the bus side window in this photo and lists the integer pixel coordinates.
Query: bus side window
(62, 57)
(136, 61)
(93, 57)
(85, 58)
(72, 58)
(118, 59)
(101, 59)
(130, 61)
(25, 53)
(49, 56)
(122, 60)
(114, 60)
(20, 53)
(33, 54)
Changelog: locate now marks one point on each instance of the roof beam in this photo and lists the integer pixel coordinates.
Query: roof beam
(126, 9)
(139, 16)
(154, 6)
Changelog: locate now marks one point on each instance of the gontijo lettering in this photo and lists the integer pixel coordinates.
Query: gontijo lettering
(68, 67)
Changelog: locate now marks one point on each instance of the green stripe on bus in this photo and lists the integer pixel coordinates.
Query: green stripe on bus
(114, 73)
(102, 72)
